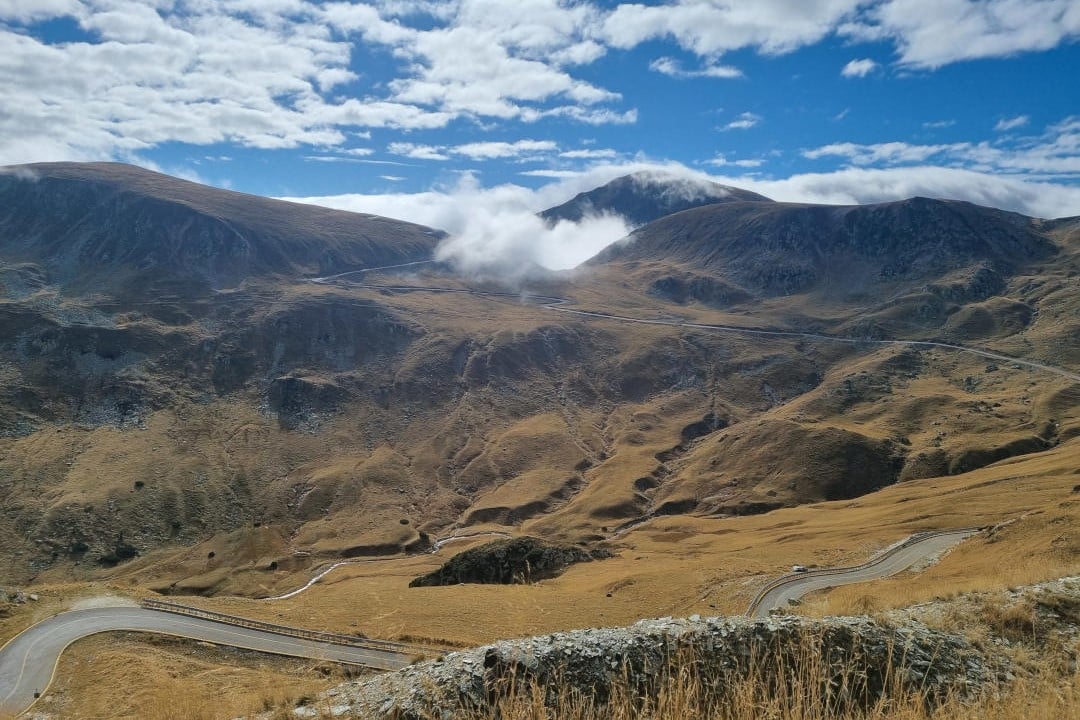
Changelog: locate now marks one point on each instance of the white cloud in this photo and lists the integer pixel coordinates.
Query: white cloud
(392, 178)
(25, 11)
(149, 75)
(867, 185)
(492, 150)
(1006, 124)
(554, 174)
(932, 33)
(891, 152)
(418, 152)
(713, 28)
(672, 68)
(486, 150)
(588, 154)
(927, 33)
(859, 68)
(938, 124)
(278, 74)
(494, 232)
(721, 161)
(744, 121)
(1056, 152)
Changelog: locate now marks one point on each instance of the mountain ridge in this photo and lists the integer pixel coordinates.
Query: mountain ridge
(773, 249)
(95, 227)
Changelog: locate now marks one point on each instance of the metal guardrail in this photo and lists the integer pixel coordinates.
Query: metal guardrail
(825, 572)
(314, 635)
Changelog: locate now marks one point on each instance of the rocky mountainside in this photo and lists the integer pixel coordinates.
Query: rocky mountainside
(122, 230)
(645, 196)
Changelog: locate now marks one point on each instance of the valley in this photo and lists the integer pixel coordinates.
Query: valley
(739, 386)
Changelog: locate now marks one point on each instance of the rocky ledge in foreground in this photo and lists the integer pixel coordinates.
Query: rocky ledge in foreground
(855, 661)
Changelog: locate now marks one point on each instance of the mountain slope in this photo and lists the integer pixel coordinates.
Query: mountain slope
(237, 439)
(118, 228)
(643, 197)
(770, 249)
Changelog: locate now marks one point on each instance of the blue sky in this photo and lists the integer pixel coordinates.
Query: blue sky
(404, 107)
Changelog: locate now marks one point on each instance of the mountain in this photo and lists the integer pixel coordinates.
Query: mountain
(776, 249)
(236, 439)
(114, 228)
(645, 196)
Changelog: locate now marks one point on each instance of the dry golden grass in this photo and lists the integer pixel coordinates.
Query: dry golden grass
(144, 676)
(685, 697)
(683, 565)
(797, 682)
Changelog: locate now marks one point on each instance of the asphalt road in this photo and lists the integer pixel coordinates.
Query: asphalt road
(28, 661)
(793, 587)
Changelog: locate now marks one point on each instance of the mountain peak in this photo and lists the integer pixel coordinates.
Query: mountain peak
(647, 195)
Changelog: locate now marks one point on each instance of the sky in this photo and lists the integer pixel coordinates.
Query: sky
(452, 111)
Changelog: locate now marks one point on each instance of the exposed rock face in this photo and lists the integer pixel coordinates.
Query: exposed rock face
(643, 197)
(856, 653)
(508, 562)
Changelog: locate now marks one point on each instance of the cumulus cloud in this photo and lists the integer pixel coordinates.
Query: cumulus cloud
(279, 75)
(932, 33)
(859, 68)
(710, 29)
(494, 232)
(926, 33)
(273, 75)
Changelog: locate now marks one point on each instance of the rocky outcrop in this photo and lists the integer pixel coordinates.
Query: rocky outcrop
(859, 659)
(508, 562)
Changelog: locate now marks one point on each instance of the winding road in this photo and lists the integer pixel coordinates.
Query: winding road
(779, 592)
(437, 545)
(28, 661)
